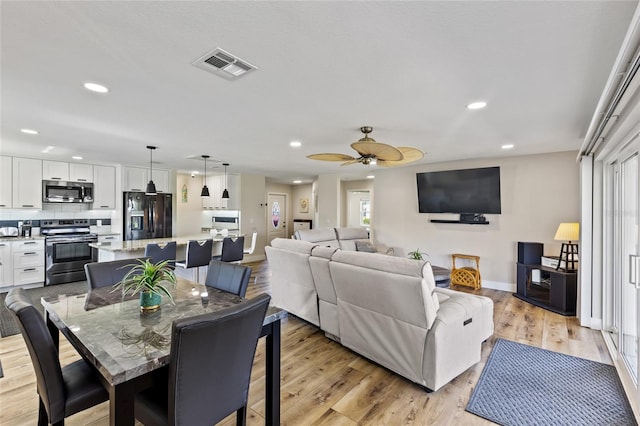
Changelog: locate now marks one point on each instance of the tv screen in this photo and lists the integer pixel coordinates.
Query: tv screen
(460, 191)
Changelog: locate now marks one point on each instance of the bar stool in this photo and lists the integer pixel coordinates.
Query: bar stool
(250, 250)
(232, 251)
(197, 255)
(157, 253)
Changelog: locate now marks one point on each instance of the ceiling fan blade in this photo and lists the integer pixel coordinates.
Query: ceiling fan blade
(354, 161)
(381, 151)
(410, 155)
(331, 157)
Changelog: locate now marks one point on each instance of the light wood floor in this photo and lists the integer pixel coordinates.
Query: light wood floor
(326, 384)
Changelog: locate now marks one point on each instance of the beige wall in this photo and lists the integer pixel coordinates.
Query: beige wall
(538, 192)
(252, 212)
(189, 216)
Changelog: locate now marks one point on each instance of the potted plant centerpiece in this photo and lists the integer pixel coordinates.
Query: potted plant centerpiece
(148, 279)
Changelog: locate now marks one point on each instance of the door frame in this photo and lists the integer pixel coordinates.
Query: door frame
(268, 213)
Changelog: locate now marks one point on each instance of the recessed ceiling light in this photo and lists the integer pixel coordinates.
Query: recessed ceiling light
(477, 105)
(29, 131)
(47, 149)
(195, 172)
(295, 144)
(297, 181)
(507, 146)
(370, 177)
(95, 87)
(77, 157)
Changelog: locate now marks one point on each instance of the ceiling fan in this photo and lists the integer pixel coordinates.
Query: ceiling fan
(370, 150)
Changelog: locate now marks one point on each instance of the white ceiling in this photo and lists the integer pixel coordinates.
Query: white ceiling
(325, 69)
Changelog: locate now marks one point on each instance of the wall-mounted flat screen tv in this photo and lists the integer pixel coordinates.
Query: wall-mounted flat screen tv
(460, 191)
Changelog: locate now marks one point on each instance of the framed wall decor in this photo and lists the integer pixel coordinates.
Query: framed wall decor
(304, 205)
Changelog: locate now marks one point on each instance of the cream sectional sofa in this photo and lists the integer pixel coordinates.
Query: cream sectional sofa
(385, 308)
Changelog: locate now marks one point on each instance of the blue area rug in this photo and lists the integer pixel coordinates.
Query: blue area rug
(524, 385)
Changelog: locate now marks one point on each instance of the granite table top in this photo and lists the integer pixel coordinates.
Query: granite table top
(121, 341)
(135, 245)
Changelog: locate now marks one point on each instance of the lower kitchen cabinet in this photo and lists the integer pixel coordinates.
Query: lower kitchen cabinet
(6, 264)
(27, 262)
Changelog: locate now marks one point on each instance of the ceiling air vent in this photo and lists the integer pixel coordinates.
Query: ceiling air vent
(224, 64)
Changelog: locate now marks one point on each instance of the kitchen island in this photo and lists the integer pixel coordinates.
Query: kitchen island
(132, 249)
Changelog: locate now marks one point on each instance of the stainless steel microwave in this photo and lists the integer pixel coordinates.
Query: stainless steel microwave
(66, 192)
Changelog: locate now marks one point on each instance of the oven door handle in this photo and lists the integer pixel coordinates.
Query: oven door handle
(51, 241)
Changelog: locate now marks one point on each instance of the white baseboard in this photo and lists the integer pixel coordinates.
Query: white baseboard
(498, 285)
(253, 258)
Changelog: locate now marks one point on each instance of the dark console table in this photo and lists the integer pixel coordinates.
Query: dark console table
(548, 288)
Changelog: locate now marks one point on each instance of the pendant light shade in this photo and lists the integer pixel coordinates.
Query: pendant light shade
(205, 190)
(225, 193)
(151, 187)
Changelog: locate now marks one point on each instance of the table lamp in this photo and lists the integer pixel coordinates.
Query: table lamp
(569, 251)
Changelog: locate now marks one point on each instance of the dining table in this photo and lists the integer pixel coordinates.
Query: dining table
(126, 345)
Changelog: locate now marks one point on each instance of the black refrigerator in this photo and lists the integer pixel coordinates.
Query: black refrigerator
(146, 216)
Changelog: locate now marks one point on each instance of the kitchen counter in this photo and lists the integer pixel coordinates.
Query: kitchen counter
(137, 245)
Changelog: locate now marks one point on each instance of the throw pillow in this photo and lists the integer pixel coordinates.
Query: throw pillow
(365, 245)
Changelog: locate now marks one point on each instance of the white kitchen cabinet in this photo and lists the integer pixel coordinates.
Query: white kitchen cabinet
(216, 187)
(27, 183)
(6, 179)
(6, 264)
(161, 179)
(55, 170)
(109, 238)
(80, 172)
(28, 262)
(104, 187)
(134, 179)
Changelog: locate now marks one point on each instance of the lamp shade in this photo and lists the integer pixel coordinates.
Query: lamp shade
(568, 232)
(151, 189)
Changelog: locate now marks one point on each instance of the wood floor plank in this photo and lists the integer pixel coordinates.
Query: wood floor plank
(324, 383)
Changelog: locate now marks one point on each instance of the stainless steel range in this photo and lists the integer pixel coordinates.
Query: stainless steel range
(67, 249)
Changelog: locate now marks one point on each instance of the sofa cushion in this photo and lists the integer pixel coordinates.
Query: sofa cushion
(303, 247)
(364, 245)
(323, 237)
(352, 233)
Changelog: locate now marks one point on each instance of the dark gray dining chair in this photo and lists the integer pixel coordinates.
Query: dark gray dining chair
(229, 277)
(62, 391)
(197, 255)
(159, 253)
(209, 368)
(103, 274)
(232, 250)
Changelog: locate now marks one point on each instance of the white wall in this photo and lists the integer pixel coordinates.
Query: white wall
(538, 192)
(190, 217)
(253, 212)
(328, 193)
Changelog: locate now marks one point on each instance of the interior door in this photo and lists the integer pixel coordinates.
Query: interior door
(276, 216)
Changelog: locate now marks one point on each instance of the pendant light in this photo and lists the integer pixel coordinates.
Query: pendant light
(205, 190)
(225, 193)
(151, 187)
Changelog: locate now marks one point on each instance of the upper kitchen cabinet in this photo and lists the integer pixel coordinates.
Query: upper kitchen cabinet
(216, 187)
(161, 179)
(27, 183)
(136, 179)
(55, 170)
(104, 187)
(80, 172)
(5, 181)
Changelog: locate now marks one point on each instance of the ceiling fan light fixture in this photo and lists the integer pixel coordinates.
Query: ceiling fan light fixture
(205, 190)
(151, 187)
